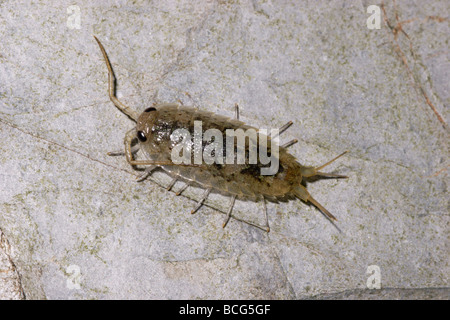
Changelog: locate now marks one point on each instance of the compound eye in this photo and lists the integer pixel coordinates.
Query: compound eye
(141, 136)
(150, 109)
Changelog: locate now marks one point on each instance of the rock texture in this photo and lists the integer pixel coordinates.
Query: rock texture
(80, 227)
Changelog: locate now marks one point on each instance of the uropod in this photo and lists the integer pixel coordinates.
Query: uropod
(154, 136)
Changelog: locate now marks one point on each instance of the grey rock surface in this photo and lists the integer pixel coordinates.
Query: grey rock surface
(79, 225)
(389, 294)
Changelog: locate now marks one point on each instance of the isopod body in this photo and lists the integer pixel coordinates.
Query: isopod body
(154, 136)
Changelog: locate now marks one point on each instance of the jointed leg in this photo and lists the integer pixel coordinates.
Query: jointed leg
(289, 143)
(200, 202)
(227, 218)
(134, 149)
(282, 129)
(146, 173)
(172, 183)
(265, 214)
(182, 189)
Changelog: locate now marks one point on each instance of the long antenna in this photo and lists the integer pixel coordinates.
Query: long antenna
(133, 115)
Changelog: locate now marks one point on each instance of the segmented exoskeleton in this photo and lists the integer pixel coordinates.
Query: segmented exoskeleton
(152, 135)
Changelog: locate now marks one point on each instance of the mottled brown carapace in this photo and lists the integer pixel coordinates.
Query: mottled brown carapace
(152, 136)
